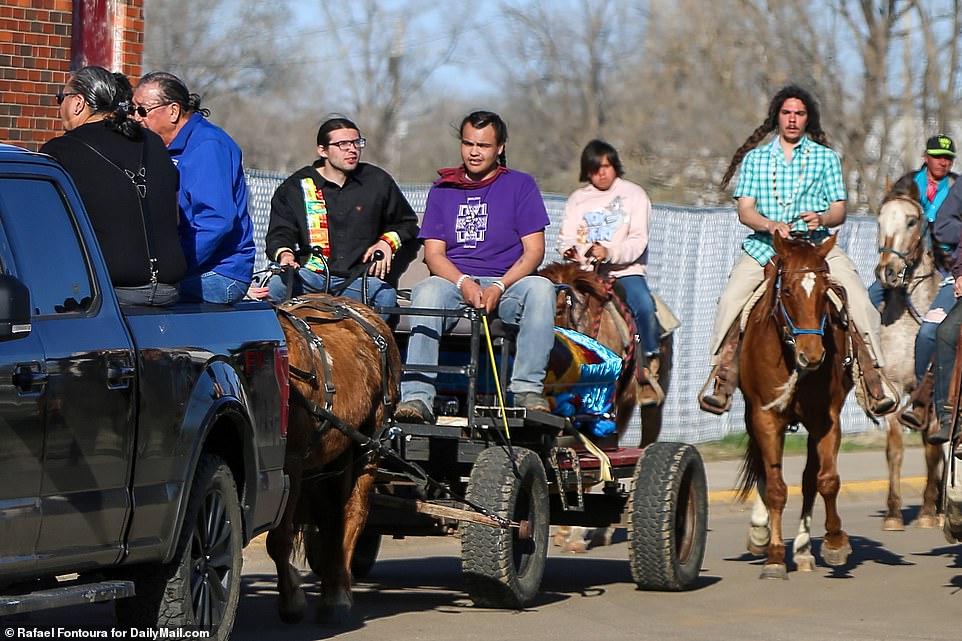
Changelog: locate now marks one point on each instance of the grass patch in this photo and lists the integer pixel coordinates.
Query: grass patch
(732, 446)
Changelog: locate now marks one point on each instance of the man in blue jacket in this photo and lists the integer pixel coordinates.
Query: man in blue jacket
(216, 230)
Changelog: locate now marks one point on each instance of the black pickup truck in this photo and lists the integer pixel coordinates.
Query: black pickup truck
(140, 448)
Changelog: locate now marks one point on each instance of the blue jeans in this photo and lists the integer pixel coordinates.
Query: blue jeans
(528, 303)
(213, 288)
(155, 294)
(876, 294)
(925, 340)
(379, 293)
(642, 305)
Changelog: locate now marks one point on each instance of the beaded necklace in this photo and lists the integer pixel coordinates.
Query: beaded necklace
(798, 181)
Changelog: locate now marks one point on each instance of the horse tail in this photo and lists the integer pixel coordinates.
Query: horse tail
(750, 470)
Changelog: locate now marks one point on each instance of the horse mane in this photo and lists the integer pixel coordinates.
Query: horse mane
(586, 282)
(904, 187)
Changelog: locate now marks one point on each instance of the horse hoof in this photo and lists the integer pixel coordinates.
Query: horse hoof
(575, 547)
(291, 615)
(293, 611)
(805, 563)
(332, 614)
(927, 521)
(774, 571)
(892, 524)
(837, 557)
(561, 535)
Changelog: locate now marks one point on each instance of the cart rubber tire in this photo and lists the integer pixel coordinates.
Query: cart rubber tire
(500, 569)
(200, 588)
(365, 552)
(668, 518)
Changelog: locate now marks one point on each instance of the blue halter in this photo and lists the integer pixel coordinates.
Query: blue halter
(795, 330)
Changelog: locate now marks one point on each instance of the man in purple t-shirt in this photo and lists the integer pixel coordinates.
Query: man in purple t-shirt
(483, 232)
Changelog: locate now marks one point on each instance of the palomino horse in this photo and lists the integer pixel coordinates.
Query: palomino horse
(586, 304)
(907, 272)
(344, 368)
(792, 364)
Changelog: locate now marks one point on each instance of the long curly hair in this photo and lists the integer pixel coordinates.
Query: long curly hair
(813, 126)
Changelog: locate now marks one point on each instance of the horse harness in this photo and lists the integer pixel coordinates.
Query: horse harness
(792, 330)
(330, 313)
(910, 259)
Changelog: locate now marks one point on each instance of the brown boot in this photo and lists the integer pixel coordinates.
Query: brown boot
(880, 397)
(716, 395)
(917, 416)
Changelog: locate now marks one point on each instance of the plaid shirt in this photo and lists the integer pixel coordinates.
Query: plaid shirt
(783, 190)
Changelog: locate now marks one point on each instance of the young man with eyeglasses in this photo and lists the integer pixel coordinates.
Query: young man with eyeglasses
(216, 231)
(349, 209)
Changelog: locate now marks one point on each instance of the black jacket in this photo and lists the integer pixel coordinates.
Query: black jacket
(111, 200)
(368, 205)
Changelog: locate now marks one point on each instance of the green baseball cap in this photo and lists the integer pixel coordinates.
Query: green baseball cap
(940, 145)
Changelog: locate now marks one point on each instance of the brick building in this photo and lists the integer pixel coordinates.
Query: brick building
(42, 40)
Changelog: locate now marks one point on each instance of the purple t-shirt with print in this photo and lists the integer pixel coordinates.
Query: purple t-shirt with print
(482, 228)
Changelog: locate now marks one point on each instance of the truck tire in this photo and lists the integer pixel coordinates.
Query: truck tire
(200, 587)
(668, 518)
(365, 552)
(502, 569)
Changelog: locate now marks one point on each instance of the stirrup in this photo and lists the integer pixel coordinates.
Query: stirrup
(715, 402)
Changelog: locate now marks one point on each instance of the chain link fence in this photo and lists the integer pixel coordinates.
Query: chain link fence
(692, 251)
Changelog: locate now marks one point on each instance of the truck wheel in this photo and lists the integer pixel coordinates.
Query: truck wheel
(668, 519)
(502, 567)
(365, 552)
(201, 586)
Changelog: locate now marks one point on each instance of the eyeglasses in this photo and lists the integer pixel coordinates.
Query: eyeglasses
(344, 145)
(143, 111)
(61, 96)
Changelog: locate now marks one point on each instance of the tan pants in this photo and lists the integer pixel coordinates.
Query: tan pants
(747, 275)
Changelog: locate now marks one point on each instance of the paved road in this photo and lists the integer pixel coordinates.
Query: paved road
(897, 586)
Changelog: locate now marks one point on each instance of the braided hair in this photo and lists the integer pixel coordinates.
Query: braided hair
(109, 94)
(172, 90)
(813, 126)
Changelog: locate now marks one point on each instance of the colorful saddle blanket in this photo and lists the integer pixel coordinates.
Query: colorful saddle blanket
(580, 381)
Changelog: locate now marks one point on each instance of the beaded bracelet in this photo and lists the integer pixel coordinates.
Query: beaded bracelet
(461, 280)
(392, 239)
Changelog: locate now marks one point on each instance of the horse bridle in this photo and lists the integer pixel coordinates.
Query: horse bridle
(911, 258)
(793, 330)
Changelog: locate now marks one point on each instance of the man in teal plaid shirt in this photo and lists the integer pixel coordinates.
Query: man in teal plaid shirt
(793, 183)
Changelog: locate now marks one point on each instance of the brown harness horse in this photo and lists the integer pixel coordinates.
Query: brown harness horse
(907, 272)
(344, 368)
(793, 370)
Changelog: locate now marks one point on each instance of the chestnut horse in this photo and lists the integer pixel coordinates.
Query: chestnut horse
(587, 305)
(792, 363)
(906, 270)
(344, 368)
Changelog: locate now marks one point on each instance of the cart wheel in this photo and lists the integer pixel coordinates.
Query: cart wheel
(668, 520)
(502, 569)
(365, 552)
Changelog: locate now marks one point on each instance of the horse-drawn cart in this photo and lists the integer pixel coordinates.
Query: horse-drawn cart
(498, 477)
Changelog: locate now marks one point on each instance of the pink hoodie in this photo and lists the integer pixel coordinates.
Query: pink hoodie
(617, 219)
